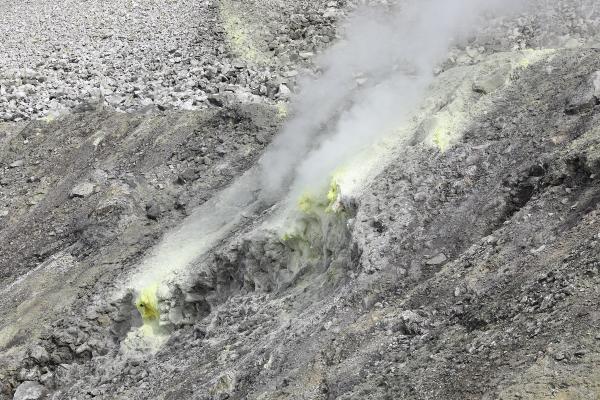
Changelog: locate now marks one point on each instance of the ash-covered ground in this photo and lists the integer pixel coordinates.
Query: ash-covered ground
(465, 266)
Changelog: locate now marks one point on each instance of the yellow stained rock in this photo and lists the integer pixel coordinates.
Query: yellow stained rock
(147, 304)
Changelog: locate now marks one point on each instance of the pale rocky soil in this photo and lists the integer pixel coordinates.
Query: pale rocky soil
(465, 274)
(148, 55)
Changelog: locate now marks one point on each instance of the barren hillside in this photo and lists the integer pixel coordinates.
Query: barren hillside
(299, 200)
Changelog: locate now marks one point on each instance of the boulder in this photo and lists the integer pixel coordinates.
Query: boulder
(83, 190)
(39, 354)
(30, 390)
(284, 92)
(17, 164)
(152, 210)
(437, 260)
(585, 96)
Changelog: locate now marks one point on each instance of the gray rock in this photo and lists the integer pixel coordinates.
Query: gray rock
(188, 175)
(284, 91)
(31, 374)
(306, 55)
(490, 83)
(420, 196)
(437, 260)
(216, 101)
(152, 210)
(585, 96)
(83, 190)
(48, 379)
(39, 354)
(30, 390)
(17, 164)
(176, 315)
(84, 348)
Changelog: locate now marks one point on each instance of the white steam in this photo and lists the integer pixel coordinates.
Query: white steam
(371, 81)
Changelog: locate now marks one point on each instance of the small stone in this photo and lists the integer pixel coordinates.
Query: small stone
(221, 150)
(180, 203)
(491, 240)
(39, 354)
(83, 190)
(580, 353)
(47, 379)
(176, 316)
(17, 164)
(216, 101)
(188, 175)
(193, 298)
(31, 374)
(369, 301)
(152, 210)
(306, 55)
(471, 52)
(420, 197)
(437, 260)
(91, 313)
(539, 249)
(284, 91)
(104, 320)
(83, 349)
(30, 390)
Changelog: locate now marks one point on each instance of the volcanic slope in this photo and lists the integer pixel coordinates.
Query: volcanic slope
(465, 268)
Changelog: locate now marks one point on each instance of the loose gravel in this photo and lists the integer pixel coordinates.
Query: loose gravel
(57, 56)
(54, 55)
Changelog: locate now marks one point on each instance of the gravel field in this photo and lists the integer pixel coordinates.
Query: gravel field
(151, 55)
(56, 54)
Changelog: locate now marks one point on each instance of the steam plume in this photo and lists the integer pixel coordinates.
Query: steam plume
(395, 50)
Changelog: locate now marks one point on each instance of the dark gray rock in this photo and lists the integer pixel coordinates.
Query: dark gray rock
(39, 354)
(153, 210)
(585, 96)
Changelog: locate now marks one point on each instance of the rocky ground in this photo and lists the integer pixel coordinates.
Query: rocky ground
(149, 55)
(467, 270)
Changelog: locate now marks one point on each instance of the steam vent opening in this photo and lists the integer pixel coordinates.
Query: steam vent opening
(299, 199)
(147, 304)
